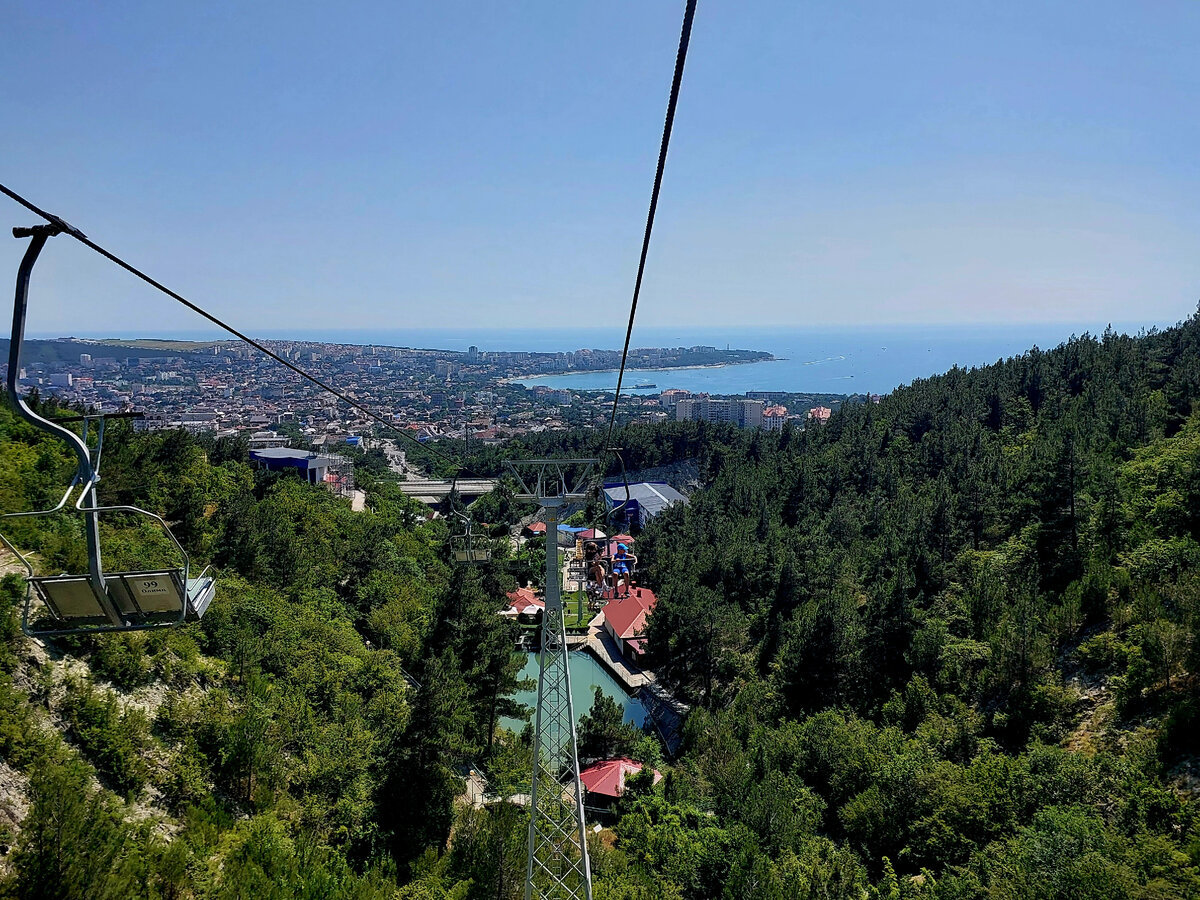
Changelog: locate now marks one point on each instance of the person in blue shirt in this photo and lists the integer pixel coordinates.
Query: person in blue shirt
(622, 568)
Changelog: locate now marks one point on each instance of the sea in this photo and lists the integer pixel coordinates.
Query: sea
(843, 360)
(869, 360)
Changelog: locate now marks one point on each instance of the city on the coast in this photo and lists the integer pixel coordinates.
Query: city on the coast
(229, 389)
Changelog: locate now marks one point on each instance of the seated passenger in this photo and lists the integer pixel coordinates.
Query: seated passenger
(595, 566)
(622, 566)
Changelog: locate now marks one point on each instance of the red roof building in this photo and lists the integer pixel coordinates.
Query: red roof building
(820, 414)
(607, 778)
(625, 620)
(526, 603)
(774, 417)
(536, 528)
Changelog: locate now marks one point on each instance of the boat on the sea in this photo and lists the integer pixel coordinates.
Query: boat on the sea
(638, 387)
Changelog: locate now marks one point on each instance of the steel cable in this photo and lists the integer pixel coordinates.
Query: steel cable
(199, 310)
(685, 36)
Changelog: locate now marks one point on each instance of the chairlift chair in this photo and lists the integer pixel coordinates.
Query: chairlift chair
(466, 550)
(465, 547)
(94, 602)
(605, 547)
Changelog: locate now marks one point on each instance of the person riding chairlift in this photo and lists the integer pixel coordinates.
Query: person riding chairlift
(622, 565)
(595, 567)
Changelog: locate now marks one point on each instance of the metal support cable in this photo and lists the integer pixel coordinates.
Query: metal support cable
(83, 239)
(685, 36)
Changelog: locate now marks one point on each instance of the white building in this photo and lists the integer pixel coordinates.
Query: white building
(742, 413)
(774, 417)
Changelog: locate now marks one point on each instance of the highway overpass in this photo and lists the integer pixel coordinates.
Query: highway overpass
(432, 492)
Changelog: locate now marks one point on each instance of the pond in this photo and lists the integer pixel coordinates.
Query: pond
(586, 675)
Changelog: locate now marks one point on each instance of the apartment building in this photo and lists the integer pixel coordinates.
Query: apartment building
(742, 413)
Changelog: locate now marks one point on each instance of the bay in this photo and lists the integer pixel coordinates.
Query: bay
(844, 360)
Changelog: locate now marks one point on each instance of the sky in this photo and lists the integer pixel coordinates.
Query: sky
(480, 164)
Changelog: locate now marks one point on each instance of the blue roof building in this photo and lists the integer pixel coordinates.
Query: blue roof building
(313, 467)
(646, 500)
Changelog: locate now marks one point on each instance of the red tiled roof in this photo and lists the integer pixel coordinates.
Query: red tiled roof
(537, 526)
(607, 777)
(525, 601)
(627, 615)
(775, 411)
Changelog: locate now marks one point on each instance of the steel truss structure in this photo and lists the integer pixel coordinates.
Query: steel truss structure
(558, 866)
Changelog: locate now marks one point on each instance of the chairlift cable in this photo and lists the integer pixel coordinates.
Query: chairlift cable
(680, 57)
(86, 241)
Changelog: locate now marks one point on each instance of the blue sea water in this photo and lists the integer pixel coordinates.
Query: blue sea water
(833, 361)
(844, 360)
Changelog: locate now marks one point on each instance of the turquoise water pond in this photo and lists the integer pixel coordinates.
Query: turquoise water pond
(586, 675)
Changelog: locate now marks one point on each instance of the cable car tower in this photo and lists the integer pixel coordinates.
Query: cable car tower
(558, 867)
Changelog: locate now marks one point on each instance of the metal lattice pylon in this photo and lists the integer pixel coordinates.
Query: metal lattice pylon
(558, 866)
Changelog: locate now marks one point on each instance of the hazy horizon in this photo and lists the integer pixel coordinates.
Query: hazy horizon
(616, 331)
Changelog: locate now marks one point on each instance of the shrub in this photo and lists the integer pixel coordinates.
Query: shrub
(121, 659)
(20, 740)
(1103, 652)
(114, 741)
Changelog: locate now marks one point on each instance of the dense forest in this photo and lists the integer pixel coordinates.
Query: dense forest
(942, 647)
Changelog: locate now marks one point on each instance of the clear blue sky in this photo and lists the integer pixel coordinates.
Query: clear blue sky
(476, 163)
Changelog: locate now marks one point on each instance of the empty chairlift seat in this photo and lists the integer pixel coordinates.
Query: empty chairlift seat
(141, 599)
(467, 548)
(468, 554)
(95, 602)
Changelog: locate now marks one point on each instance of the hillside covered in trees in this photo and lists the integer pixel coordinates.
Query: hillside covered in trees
(942, 647)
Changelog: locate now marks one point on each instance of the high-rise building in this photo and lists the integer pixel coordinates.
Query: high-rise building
(742, 413)
(672, 396)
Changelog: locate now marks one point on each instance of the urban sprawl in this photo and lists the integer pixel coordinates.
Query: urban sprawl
(229, 388)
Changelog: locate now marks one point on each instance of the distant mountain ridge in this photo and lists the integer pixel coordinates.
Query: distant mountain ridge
(67, 350)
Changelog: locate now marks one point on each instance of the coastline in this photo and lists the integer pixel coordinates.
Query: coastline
(721, 365)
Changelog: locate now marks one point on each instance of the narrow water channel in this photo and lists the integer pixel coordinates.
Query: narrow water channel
(586, 675)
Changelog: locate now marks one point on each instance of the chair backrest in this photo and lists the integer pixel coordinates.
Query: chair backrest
(200, 593)
(142, 598)
(70, 598)
(146, 593)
